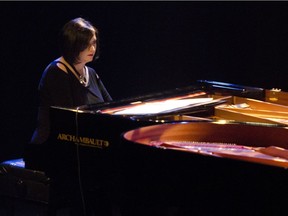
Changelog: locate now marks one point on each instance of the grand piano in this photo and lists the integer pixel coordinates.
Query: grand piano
(208, 149)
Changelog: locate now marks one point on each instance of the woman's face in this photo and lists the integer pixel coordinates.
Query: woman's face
(87, 55)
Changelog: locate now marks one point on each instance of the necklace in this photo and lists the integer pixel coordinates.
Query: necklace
(84, 78)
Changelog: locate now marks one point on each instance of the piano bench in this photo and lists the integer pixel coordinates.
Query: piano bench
(22, 188)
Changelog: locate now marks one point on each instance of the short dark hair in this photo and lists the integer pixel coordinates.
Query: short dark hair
(75, 37)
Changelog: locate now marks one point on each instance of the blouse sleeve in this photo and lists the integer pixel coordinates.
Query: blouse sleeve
(105, 94)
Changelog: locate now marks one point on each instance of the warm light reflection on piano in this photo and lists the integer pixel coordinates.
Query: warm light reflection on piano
(255, 143)
(160, 105)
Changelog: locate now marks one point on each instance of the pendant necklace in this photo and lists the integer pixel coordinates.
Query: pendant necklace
(84, 78)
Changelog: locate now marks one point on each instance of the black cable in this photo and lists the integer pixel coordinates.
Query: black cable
(78, 163)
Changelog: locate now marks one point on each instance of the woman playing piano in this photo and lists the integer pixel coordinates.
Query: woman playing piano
(66, 82)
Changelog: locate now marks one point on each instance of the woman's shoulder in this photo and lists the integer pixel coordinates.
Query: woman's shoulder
(56, 66)
(90, 69)
(53, 71)
(92, 72)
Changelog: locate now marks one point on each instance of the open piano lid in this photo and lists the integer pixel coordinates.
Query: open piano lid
(187, 100)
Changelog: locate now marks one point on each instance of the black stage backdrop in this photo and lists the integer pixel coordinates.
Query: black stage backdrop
(145, 47)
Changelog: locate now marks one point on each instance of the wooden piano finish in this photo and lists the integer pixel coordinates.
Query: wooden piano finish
(251, 110)
(276, 96)
(240, 141)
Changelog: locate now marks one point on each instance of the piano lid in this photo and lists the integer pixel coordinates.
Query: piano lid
(188, 103)
(200, 96)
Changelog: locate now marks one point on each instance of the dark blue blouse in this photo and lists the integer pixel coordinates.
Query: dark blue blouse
(58, 88)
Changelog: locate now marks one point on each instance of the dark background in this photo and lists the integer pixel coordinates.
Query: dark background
(145, 47)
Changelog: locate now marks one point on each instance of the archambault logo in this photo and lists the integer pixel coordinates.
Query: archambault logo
(86, 141)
